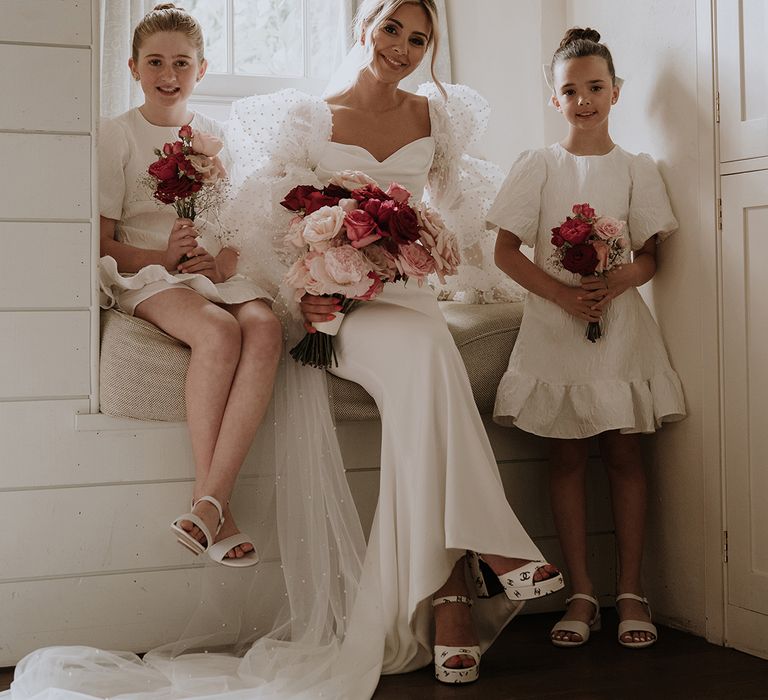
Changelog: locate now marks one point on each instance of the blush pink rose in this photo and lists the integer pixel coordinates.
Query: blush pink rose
(361, 227)
(348, 204)
(321, 226)
(382, 262)
(210, 169)
(206, 144)
(398, 193)
(352, 180)
(414, 261)
(298, 276)
(295, 235)
(441, 243)
(341, 270)
(607, 227)
(603, 250)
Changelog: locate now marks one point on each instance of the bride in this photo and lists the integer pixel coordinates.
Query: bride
(353, 612)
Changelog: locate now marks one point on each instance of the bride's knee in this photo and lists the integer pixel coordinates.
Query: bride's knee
(261, 327)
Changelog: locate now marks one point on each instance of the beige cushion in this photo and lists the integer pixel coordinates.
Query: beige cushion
(143, 369)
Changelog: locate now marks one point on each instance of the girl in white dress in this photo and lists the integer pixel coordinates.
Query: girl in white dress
(559, 384)
(225, 318)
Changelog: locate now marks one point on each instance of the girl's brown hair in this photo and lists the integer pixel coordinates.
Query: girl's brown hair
(578, 43)
(167, 17)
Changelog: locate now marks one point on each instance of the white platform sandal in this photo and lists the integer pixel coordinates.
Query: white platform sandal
(517, 584)
(443, 673)
(186, 539)
(636, 625)
(577, 626)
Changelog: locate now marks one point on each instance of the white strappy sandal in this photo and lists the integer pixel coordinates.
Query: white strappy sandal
(636, 625)
(186, 539)
(577, 626)
(443, 673)
(517, 584)
(216, 551)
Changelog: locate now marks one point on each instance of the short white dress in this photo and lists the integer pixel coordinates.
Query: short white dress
(126, 149)
(559, 384)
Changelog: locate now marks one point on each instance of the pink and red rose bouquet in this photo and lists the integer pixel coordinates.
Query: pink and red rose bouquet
(352, 238)
(189, 174)
(587, 244)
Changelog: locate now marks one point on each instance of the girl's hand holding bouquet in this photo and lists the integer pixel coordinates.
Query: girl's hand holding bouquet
(594, 247)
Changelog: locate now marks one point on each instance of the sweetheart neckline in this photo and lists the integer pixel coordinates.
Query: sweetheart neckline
(391, 155)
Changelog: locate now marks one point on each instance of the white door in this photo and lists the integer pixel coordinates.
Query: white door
(745, 394)
(742, 45)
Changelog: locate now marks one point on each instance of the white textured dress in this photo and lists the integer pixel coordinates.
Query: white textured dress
(126, 149)
(558, 383)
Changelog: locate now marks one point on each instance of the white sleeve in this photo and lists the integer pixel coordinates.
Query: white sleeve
(650, 212)
(113, 152)
(518, 203)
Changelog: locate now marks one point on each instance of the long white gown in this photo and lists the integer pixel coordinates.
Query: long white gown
(354, 612)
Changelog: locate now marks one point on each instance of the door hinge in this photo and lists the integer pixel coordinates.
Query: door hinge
(719, 214)
(717, 107)
(725, 546)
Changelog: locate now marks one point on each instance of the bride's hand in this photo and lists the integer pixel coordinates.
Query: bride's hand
(315, 308)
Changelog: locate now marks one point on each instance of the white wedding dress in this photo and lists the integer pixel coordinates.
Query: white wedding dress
(354, 612)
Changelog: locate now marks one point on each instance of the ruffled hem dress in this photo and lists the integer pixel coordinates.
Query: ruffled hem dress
(126, 149)
(558, 383)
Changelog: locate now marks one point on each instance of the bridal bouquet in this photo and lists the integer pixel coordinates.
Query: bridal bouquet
(352, 238)
(587, 244)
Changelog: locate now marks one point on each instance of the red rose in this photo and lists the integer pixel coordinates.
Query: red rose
(584, 210)
(168, 191)
(318, 200)
(377, 286)
(557, 239)
(296, 199)
(337, 192)
(164, 168)
(574, 231)
(403, 224)
(580, 259)
(363, 194)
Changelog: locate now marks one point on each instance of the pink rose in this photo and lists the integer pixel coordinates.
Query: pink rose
(584, 210)
(441, 243)
(603, 250)
(348, 204)
(413, 260)
(298, 276)
(206, 144)
(295, 233)
(398, 193)
(361, 228)
(382, 261)
(186, 132)
(342, 270)
(321, 226)
(607, 227)
(209, 169)
(573, 231)
(352, 180)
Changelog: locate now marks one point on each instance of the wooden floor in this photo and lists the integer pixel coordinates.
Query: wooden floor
(522, 665)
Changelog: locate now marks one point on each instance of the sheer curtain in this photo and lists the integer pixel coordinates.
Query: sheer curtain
(422, 73)
(119, 92)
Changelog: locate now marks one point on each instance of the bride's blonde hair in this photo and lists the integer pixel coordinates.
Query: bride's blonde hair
(373, 13)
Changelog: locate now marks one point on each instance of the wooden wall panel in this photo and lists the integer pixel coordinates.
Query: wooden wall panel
(44, 354)
(49, 267)
(46, 21)
(50, 177)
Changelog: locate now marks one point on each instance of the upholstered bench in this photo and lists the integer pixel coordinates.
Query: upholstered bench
(143, 370)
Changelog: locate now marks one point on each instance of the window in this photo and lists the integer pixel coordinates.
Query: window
(258, 46)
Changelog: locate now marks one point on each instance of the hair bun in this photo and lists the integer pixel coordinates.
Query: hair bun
(577, 33)
(165, 6)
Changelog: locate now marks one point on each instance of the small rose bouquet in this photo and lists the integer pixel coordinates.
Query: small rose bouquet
(352, 238)
(587, 244)
(189, 174)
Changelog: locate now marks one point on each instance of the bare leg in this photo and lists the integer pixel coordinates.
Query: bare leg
(568, 468)
(626, 473)
(453, 622)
